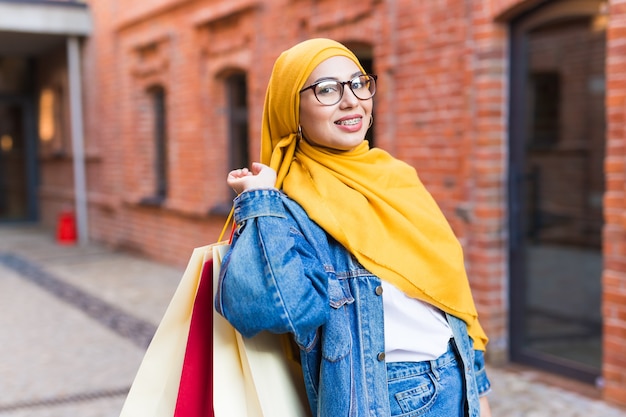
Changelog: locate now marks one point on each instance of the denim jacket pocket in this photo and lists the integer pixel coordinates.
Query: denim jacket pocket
(335, 333)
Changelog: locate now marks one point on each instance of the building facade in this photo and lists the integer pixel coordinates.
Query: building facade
(512, 112)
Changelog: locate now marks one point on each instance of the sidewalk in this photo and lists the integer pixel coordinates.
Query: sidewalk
(75, 322)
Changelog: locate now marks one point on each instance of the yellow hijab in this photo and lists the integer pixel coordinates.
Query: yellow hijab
(370, 202)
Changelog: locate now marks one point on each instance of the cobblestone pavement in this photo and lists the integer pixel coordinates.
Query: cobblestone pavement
(75, 322)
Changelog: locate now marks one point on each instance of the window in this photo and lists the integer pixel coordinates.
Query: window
(53, 139)
(545, 101)
(159, 112)
(46, 115)
(237, 101)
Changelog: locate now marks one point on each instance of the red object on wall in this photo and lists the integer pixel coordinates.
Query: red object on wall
(66, 228)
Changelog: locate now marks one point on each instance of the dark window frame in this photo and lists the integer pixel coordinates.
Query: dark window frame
(238, 129)
(238, 134)
(520, 28)
(158, 102)
(545, 123)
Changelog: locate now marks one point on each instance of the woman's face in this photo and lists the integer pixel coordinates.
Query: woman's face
(343, 125)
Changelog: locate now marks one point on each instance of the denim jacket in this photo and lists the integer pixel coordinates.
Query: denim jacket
(284, 274)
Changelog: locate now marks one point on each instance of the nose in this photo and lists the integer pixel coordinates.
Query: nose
(349, 99)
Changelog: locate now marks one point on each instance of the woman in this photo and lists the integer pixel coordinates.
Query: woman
(341, 246)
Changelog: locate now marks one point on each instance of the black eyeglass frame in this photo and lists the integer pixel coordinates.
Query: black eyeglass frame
(343, 85)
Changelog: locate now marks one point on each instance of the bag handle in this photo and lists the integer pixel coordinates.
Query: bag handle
(234, 226)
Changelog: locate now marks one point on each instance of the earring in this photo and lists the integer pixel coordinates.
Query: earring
(299, 132)
(371, 120)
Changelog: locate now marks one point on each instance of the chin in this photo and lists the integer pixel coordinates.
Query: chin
(349, 146)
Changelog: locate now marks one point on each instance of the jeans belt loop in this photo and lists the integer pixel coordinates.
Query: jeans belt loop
(434, 368)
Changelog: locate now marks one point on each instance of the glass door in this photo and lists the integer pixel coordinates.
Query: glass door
(557, 184)
(17, 200)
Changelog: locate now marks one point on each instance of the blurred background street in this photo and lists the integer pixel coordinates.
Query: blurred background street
(75, 321)
(120, 120)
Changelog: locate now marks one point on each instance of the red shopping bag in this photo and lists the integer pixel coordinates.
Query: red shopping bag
(195, 392)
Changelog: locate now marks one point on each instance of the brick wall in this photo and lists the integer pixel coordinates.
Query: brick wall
(614, 277)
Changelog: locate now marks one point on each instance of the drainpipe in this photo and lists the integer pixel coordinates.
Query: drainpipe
(76, 126)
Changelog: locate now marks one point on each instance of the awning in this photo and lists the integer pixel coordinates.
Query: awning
(29, 27)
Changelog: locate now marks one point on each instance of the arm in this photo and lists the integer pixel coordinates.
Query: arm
(485, 410)
(272, 278)
(484, 386)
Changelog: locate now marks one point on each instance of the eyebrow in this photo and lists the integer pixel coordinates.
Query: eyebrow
(354, 75)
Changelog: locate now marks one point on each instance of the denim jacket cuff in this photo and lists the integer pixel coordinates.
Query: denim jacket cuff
(482, 381)
(258, 202)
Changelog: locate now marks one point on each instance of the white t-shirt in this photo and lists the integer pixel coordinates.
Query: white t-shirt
(415, 331)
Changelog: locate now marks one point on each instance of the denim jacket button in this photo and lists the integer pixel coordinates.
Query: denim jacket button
(379, 290)
(381, 356)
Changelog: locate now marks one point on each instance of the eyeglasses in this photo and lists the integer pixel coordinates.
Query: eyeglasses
(330, 92)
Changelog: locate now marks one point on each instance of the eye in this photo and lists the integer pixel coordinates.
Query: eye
(327, 87)
(360, 82)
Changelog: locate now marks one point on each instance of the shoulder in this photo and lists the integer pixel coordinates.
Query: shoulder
(304, 223)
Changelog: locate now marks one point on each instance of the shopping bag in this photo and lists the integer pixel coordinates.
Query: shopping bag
(195, 390)
(272, 379)
(212, 354)
(154, 391)
(250, 377)
(198, 365)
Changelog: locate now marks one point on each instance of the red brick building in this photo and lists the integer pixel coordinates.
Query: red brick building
(513, 112)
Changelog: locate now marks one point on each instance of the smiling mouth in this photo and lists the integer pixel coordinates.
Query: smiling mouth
(349, 122)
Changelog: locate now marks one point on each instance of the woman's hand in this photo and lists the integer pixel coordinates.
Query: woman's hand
(485, 410)
(258, 176)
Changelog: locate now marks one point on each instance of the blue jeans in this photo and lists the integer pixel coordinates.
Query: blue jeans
(427, 389)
